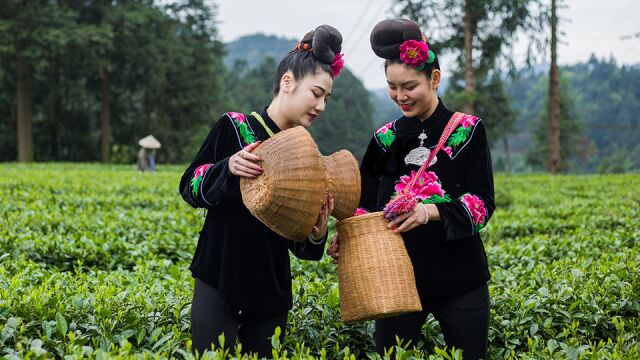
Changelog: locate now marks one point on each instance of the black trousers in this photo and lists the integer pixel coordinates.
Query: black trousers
(211, 316)
(464, 320)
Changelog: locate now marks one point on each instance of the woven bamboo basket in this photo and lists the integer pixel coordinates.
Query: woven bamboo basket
(375, 274)
(287, 196)
(343, 177)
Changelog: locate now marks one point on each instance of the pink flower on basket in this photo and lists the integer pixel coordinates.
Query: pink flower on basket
(360, 211)
(468, 120)
(239, 117)
(337, 65)
(476, 208)
(414, 53)
(426, 186)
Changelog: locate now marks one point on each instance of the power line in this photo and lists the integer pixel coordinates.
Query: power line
(366, 29)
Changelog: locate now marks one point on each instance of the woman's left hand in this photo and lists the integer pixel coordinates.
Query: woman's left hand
(320, 228)
(409, 220)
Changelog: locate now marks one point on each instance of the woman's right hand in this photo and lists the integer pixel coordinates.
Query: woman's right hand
(244, 163)
(334, 249)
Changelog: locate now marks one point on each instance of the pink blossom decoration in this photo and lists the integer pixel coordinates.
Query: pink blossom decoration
(426, 186)
(476, 208)
(360, 211)
(468, 120)
(239, 117)
(449, 151)
(337, 65)
(200, 170)
(414, 53)
(384, 128)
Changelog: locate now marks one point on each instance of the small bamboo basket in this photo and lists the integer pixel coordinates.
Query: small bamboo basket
(375, 273)
(343, 175)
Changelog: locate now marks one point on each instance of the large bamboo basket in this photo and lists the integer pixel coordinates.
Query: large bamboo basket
(343, 175)
(375, 274)
(287, 196)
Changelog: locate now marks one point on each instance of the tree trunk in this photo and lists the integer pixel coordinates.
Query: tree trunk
(554, 98)
(105, 122)
(24, 126)
(507, 151)
(469, 81)
(54, 109)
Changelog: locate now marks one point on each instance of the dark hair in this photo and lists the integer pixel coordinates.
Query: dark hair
(388, 35)
(316, 51)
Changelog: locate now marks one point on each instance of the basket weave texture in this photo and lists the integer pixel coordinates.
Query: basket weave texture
(375, 274)
(287, 196)
(343, 176)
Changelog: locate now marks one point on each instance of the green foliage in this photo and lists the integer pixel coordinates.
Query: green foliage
(605, 99)
(571, 127)
(94, 264)
(162, 65)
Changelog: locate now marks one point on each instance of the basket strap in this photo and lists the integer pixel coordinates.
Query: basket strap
(451, 125)
(261, 121)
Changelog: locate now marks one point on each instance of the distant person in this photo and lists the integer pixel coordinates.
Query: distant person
(241, 267)
(146, 160)
(448, 205)
(142, 161)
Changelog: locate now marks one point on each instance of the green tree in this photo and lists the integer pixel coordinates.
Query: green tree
(30, 33)
(478, 32)
(572, 142)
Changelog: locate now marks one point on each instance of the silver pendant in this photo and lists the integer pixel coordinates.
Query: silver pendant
(419, 155)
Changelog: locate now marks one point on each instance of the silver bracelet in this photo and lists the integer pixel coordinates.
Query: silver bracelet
(426, 213)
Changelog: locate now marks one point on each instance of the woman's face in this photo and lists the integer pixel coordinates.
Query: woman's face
(410, 89)
(305, 99)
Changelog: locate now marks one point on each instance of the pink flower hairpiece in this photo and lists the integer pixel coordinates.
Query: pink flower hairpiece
(337, 65)
(416, 53)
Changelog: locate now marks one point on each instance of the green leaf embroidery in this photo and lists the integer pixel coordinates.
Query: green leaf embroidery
(436, 199)
(195, 185)
(245, 133)
(459, 136)
(478, 227)
(387, 138)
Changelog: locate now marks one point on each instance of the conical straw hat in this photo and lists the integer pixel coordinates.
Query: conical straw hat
(287, 196)
(344, 182)
(149, 142)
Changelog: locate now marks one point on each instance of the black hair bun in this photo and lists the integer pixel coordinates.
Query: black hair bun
(325, 42)
(388, 35)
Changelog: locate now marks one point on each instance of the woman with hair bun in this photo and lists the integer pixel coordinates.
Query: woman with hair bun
(439, 210)
(241, 267)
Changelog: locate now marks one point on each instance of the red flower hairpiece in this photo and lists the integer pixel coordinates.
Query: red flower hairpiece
(337, 65)
(414, 53)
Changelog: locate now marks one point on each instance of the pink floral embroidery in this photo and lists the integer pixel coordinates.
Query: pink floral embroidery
(414, 53)
(426, 186)
(239, 117)
(337, 65)
(448, 150)
(386, 135)
(198, 175)
(384, 128)
(468, 120)
(360, 211)
(476, 208)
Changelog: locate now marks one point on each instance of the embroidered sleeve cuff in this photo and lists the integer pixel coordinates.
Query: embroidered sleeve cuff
(476, 210)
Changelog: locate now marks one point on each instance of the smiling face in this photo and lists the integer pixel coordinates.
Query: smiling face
(305, 99)
(412, 91)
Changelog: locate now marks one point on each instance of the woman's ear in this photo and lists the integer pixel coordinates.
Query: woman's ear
(286, 82)
(435, 79)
